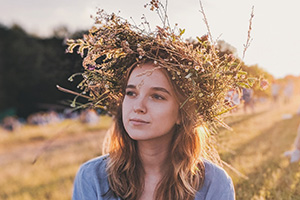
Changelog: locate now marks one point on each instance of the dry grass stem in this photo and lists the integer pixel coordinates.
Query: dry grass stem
(206, 22)
(249, 39)
(49, 142)
(71, 92)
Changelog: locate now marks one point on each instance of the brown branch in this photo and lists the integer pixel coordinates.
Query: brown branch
(206, 21)
(71, 92)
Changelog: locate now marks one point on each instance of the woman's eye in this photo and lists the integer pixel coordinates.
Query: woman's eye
(158, 97)
(130, 93)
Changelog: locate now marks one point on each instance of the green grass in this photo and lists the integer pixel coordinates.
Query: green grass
(255, 148)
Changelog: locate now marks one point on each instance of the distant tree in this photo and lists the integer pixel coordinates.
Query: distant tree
(30, 69)
(61, 32)
(226, 48)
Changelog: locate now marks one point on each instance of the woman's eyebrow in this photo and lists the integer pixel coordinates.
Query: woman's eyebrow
(161, 89)
(131, 86)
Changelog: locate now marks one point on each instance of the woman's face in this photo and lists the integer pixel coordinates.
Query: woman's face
(149, 109)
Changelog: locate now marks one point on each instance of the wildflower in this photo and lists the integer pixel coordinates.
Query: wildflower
(140, 51)
(264, 84)
(91, 67)
(197, 67)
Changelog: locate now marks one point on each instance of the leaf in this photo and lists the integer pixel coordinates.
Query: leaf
(71, 47)
(181, 31)
(226, 110)
(81, 49)
(244, 85)
(251, 81)
(199, 39)
(173, 38)
(242, 73)
(93, 29)
(81, 41)
(70, 41)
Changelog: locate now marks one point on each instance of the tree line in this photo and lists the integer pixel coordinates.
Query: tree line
(30, 69)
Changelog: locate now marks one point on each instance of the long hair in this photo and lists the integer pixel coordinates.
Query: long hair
(185, 174)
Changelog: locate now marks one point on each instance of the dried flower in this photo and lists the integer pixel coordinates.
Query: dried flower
(91, 67)
(121, 45)
(264, 84)
(197, 67)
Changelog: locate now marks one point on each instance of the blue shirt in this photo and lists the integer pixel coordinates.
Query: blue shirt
(91, 182)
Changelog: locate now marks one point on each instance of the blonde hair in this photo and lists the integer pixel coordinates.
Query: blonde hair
(186, 172)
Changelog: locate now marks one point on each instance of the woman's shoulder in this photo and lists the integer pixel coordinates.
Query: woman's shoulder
(100, 160)
(217, 183)
(91, 179)
(212, 171)
(95, 167)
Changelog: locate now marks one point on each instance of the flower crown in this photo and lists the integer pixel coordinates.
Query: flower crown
(114, 45)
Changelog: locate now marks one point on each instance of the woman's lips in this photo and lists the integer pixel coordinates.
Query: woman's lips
(138, 122)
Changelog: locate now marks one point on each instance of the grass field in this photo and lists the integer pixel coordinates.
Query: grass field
(255, 148)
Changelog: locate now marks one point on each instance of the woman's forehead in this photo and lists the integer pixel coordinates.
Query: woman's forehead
(149, 75)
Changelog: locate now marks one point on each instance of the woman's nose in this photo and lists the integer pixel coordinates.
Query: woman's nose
(140, 105)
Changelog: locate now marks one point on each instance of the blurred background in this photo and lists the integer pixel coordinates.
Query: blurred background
(38, 126)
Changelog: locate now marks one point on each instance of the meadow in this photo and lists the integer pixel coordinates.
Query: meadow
(253, 150)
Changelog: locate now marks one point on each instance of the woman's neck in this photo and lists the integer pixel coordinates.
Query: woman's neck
(154, 159)
(154, 154)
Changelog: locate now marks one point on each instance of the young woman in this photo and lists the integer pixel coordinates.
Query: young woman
(156, 151)
(166, 96)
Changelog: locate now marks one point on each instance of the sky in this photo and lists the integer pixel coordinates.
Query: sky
(275, 27)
